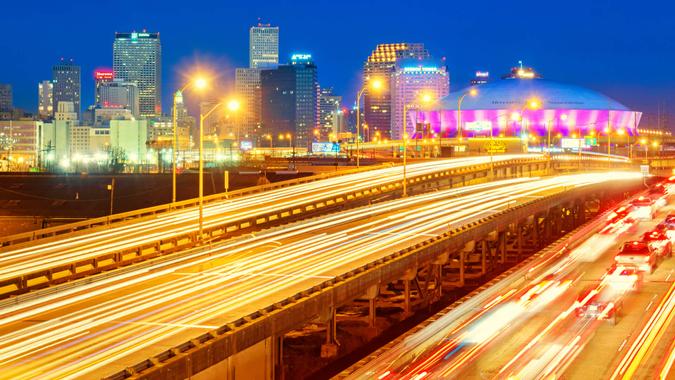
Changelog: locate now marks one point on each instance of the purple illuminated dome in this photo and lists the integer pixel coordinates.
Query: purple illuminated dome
(504, 106)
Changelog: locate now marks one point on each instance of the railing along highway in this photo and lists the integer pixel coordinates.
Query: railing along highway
(97, 261)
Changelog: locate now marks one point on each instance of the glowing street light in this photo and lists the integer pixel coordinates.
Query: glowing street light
(199, 83)
(376, 85)
(425, 99)
(232, 105)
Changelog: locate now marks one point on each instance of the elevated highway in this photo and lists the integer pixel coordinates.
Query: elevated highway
(208, 304)
(56, 255)
(524, 325)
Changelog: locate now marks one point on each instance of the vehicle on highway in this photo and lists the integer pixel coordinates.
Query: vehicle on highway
(659, 194)
(659, 242)
(619, 220)
(637, 253)
(601, 305)
(623, 277)
(643, 208)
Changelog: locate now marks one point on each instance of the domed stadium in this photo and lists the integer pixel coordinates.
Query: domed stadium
(524, 103)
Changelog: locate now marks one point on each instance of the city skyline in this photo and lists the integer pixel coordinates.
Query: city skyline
(633, 68)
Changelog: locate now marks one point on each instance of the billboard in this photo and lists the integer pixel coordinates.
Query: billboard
(325, 147)
(246, 145)
(478, 126)
(572, 143)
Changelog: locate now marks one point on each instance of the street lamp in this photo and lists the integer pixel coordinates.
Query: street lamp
(471, 92)
(233, 105)
(375, 85)
(425, 99)
(199, 83)
(533, 104)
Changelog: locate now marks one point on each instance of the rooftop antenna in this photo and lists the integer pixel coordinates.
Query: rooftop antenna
(521, 64)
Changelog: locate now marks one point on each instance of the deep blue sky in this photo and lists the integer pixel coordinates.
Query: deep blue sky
(625, 49)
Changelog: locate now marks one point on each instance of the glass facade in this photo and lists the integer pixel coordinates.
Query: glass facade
(137, 59)
(66, 80)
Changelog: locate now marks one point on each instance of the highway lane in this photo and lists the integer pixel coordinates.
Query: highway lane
(530, 331)
(41, 256)
(105, 326)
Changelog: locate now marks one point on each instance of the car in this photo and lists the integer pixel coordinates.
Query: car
(659, 194)
(599, 304)
(623, 277)
(637, 253)
(619, 220)
(644, 208)
(668, 229)
(659, 242)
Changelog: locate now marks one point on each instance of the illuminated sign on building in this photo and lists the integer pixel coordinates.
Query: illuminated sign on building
(572, 143)
(103, 74)
(482, 74)
(478, 126)
(301, 57)
(246, 145)
(424, 69)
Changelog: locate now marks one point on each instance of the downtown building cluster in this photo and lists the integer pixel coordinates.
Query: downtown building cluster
(282, 106)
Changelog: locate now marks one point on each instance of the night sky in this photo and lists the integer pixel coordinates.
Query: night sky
(625, 49)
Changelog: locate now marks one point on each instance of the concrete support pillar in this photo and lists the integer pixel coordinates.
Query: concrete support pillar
(330, 348)
(406, 295)
(483, 257)
(371, 295)
(279, 357)
(462, 260)
(501, 246)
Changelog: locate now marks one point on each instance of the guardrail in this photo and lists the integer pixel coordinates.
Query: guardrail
(100, 262)
(154, 210)
(208, 349)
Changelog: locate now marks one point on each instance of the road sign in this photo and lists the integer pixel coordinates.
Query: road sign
(495, 147)
(644, 169)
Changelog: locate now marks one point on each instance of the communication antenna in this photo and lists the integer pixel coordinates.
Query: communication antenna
(520, 62)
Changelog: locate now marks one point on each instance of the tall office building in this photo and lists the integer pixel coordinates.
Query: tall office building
(66, 78)
(412, 79)
(381, 64)
(263, 46)
(101, 76)
(290, 99)
(6, 101)
(45, 99)
(247, 88)
(137, 58)
(329, 113)
(120, 94)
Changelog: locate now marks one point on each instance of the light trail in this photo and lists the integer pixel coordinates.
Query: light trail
(136, 310)
(43, 256)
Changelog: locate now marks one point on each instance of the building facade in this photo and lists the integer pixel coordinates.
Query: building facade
(380, 65)
(19, 142)
(290, 100)
(263, 46)
(6, 101)
(247, 88)
(67, 85)
(45, 99)
(120, 94)
(137, 58)
(101, 77)
(330, 114)
(412, 80)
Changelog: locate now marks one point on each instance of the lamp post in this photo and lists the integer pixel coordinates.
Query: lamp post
(425, 99)
(472, 92)
(232, 105)
(375, 84)
(532, 104)
(199, 83)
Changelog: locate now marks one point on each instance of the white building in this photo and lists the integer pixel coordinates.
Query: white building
(411, 81)
(263, 46)
(65, 111)
(130, 136)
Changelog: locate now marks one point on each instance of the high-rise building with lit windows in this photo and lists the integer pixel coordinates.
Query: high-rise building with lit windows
(66, 78)
(412, 80)
(263, 46)
(101, 76)
(247, 88)
(137, 58)
(330, 114)
(381, 64)
(45, 99)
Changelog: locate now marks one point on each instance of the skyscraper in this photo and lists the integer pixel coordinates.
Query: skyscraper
(381, 64)
(66, 78)
(6, 101)
(120, 94)
(412, 79)
(247, 88)
(137, 58)
(329, 113)
(101, 76)
(45, 99)
(263, 46)
(290, 95)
